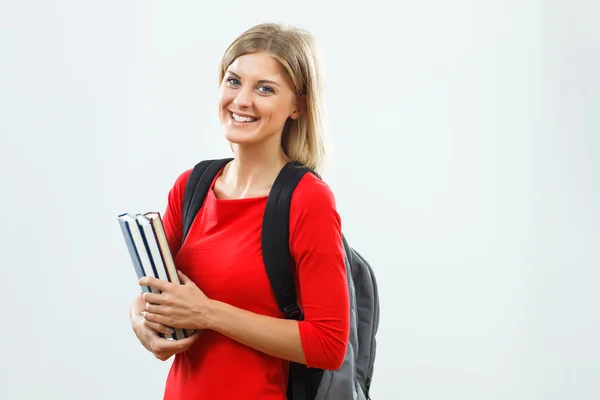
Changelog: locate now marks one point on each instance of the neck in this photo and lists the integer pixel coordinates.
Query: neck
(254, 167)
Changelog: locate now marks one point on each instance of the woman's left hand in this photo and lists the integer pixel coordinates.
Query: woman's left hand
(178, 306)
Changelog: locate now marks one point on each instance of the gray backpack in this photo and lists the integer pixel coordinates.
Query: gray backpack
(353, 379)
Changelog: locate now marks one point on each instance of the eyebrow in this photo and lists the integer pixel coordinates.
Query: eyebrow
(260, 81)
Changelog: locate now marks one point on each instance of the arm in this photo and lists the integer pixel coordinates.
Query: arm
(276, 337)
(146, 331)
(316, 246)
(321, 339)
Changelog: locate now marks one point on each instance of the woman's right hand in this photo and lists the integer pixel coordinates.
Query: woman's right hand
(147, 334)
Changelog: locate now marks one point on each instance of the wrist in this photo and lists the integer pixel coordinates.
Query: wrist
(137, 322)
(137, 306)
(135, 313)
(210, 318)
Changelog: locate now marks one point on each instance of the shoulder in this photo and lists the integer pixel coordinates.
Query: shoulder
(177, 191)
(182, 178)
(315, 223)
(312, 195)
(313, 206)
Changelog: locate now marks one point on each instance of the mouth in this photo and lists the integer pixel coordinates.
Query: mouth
(242, 119)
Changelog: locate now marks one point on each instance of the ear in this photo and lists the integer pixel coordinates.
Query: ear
(299, 107)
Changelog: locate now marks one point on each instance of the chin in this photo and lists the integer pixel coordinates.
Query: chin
(242, 138)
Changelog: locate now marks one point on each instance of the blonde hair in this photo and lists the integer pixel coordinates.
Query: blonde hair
(303, 139)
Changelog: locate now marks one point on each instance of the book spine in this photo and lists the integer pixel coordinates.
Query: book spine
(165, 254)
(151, 262)
(157, 261)
(133, 251)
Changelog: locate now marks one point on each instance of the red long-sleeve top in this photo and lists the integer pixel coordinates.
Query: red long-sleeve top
(222, 254)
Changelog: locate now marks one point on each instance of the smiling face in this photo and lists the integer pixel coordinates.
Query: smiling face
(256, 98)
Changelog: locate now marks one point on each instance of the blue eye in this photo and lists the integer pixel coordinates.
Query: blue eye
(261, 89)
(269, 90)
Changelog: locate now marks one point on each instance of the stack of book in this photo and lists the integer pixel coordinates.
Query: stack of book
(149, 250)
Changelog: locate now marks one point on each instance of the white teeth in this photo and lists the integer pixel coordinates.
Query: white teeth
(242, 119)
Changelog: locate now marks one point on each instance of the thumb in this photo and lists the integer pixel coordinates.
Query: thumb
(184, 279)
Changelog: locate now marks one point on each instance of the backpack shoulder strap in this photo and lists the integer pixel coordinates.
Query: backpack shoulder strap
(196, 189)
(278, 260)
(275, 239)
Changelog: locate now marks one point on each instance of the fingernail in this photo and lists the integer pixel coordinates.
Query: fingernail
(170, 330)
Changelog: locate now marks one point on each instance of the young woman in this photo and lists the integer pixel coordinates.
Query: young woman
(270, 107)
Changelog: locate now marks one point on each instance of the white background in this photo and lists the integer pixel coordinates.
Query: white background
(466, 171)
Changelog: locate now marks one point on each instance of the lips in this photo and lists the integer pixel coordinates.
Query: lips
(241, 114)
(242, 118)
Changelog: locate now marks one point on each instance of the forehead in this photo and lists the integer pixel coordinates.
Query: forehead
(258, 66)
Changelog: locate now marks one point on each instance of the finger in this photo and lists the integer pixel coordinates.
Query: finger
(190, 339)
(156, 309)
(183, 278)
(154, 298)
(156, 283)
(161, 319)
(178, 345)
(164, 349)
(160, 350)
(158, 327)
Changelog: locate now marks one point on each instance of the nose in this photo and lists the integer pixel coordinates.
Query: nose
(243, 98)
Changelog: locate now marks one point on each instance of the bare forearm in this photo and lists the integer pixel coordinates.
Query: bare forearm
(274, 336)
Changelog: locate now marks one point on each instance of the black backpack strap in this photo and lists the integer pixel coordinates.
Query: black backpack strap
(196, 189)
(275, 239)
(278, 260)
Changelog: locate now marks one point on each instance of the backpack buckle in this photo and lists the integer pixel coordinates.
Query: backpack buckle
(293, 312)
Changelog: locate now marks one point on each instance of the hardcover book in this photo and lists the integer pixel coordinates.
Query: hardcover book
(150, 254)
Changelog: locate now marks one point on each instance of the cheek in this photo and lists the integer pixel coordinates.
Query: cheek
(223, 101)
(274, 112)
(226, 95)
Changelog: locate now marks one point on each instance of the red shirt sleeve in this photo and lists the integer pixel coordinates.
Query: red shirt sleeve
(172, 217)
(316, 246)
